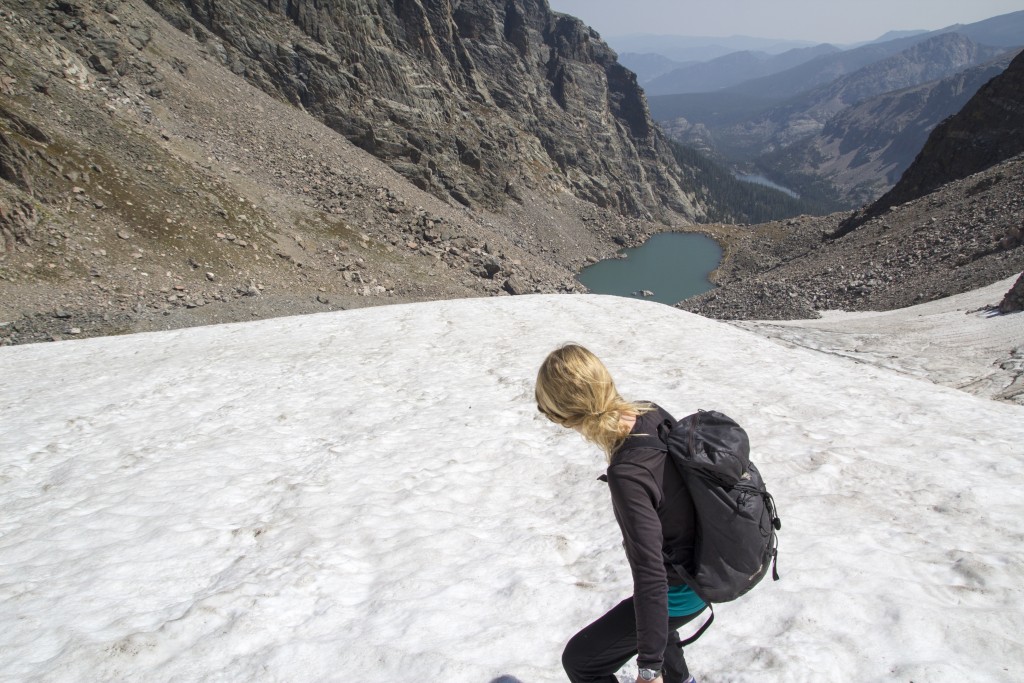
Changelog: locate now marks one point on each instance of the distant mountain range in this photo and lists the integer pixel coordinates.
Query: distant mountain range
(930, 60)
(951, 222)
(864, 149)
(730, 69)
(648, 66)
(822, 70)
(781, 125)
(893, 35)
(986, 131)
(698, 48)
(655, 56)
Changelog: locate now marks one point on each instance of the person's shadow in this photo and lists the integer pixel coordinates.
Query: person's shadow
(506, 679)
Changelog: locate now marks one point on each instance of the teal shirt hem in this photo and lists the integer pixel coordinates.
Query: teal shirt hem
(682, 601)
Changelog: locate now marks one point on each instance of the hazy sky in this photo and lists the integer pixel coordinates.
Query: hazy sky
(815, 20)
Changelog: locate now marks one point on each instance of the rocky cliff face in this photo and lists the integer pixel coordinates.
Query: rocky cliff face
(475, 99)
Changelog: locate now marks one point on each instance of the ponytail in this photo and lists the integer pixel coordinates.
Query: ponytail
(575, 389)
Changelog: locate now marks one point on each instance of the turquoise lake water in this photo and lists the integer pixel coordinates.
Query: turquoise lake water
(673, 265)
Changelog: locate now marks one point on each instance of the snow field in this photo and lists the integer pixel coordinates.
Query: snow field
(312, 498)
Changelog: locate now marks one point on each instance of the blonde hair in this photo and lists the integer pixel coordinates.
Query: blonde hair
(575, 389)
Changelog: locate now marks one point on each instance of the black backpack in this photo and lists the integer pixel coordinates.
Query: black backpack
(736, 519)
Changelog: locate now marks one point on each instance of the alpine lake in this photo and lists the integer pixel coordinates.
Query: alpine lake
(667, 268)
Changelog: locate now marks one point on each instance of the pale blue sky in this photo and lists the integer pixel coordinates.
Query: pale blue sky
(814, 20)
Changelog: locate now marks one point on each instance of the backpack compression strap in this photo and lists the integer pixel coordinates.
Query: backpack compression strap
(700, 631)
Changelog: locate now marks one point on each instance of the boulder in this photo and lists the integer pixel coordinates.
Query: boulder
(1013, 302)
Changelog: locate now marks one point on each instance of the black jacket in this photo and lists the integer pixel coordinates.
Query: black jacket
(655, 513)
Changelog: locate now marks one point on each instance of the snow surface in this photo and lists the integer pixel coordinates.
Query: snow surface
(372, 495)
(957, 341)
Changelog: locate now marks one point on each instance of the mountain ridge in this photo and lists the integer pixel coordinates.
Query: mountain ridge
(987, 130)
(786, 140)
(864, 149)
(731, 69)
(807, 113)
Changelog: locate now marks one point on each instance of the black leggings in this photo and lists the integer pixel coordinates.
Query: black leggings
(594, 654)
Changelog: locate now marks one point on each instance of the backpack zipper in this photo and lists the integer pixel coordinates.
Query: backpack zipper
(693, 433)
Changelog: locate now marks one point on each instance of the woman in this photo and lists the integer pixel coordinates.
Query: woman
(655, 514)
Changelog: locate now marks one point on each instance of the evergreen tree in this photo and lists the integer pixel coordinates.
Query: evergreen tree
(730, 200)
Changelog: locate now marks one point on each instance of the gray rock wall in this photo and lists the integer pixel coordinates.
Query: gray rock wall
(472, 99)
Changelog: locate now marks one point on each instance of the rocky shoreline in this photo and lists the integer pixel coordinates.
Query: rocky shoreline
(967, 234)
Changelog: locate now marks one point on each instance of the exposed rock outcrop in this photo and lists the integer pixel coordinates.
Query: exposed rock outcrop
(1013, 302)
(474, 98)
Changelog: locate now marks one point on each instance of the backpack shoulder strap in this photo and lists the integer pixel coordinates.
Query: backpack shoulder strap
(656, 441)
(642, 441)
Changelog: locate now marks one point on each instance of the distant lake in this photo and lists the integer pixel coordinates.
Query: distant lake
(761, 180)
(673, 265)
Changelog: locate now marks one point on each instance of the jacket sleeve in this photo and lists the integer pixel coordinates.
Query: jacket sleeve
(635, 497)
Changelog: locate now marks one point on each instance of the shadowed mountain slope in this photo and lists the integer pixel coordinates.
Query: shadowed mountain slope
(864, 149)
(988, 130)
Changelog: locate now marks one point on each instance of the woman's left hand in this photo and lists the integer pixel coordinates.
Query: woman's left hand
(659, 679)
